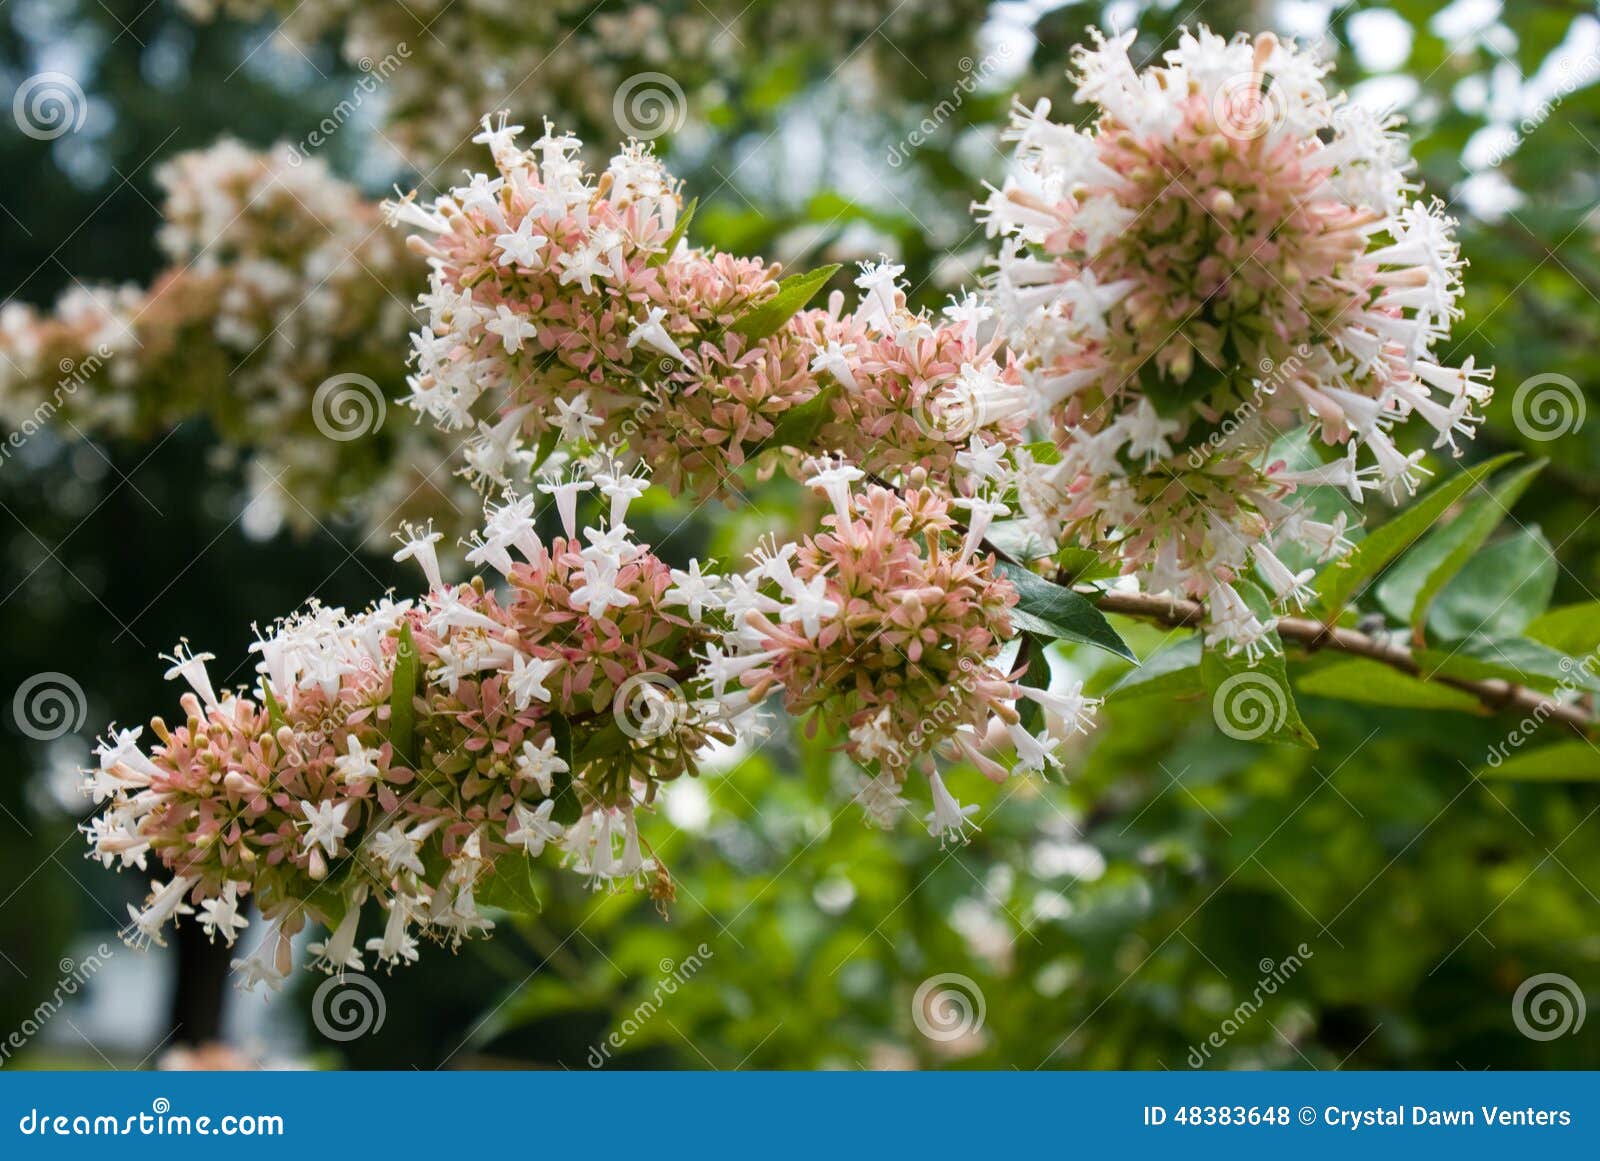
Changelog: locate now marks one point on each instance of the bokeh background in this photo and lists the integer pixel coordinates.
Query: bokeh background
(1394, 900)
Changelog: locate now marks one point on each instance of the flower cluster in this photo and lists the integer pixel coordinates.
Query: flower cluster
(889, 628)
(280, 278)
(396, 756)
(566, 306)
(1228, 254)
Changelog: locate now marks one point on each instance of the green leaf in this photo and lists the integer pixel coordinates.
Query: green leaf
(402, 708)
(568, 809)
(1014, 538)
(547, 444)
(1571, 629)
(1254, 703)
(793, 294)
(1409, 588)
(1574, 761)
(798, 427)
(513, 884)
(1372, 683)
(1338, 583)
(274, 710)
(1043, 451)
(1059, 613)
(1500, 590)
(1513, 659)
(677, 234)
(1173, 671)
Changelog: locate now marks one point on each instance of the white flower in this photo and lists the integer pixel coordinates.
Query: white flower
(652, 334)
(574, 419)
(357, 766)
(520, 248)
(599, 590)
(337, 953)
(835, 481)
(566, 495)
(192, 668)
(621, 488)
(144, 927)
(526, 682)
(695, 590)
(417, 543)
(512, 328)
(397, 945)
(325, 825)
(810, 605)
(948, 820)
(834, 360)
(541, 764)
(221, 916)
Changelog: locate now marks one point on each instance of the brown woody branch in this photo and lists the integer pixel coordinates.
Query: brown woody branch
(1494, 694)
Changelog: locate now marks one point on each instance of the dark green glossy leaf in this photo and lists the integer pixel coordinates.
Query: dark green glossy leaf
(1059, 613)
(1409, 588)
(1340, 581)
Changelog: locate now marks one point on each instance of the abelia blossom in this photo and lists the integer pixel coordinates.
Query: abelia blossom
(891, 631)
(307, 797)
(560, 306)
(1229, 253)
